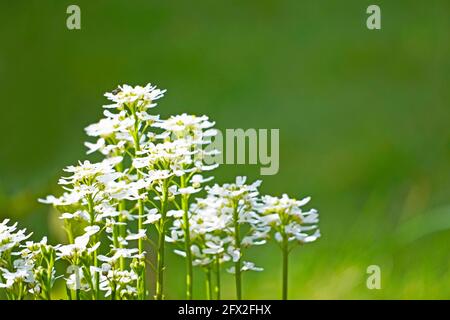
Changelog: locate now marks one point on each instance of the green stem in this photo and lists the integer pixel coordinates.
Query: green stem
(50, 264)
(141, 278)
(137, 148)
(237, 264)
(217, 287)
(140, 224)
(19, 296)
(96, 293)
(121, 232)
(208, 283)
(68, 293)
(187, 241)
(161, 241)
(96, 277)
(120, 229)
(68, 228)
(285, 252)
(115, 234)
(113, 291)
(77, 277)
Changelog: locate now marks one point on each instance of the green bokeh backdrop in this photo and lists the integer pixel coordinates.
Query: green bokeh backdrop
(363, 118)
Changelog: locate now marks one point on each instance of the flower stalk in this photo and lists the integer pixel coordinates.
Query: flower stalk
(208, 283)
(161, 244)
(187, 240)
(217, 285)
(285, 255)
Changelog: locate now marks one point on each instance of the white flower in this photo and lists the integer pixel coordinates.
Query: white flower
(234, 253)
(197, 180)
(22, 273)
(152, 216)
(128, 95)
(180, 253)
(122, 190)
(93, 147)
(10, 237)
(157, 175)
(76, 249)
(119, 281)
(91, 230)
(136, 236)
(113, 124)
(213, 248)
(106, 210)
(253, 240)
(188, 190)
(109, 177)
(77, 280)
(86, 172)
(68, 198)
(271, 218)
(175, 213)
(310, 238)
(120, 253)
(80, 214)
(186, 125)
(287, 213)
(247, 266)
(204, 167)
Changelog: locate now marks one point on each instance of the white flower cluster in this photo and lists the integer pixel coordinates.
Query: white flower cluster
(25, 268)
(150, 172)
(288, 220)
(216, 222)
(10, 238)
(151, 168)
(234, 216)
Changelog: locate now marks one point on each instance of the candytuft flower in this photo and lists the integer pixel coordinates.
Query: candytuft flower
(290, 224)
(150, 190)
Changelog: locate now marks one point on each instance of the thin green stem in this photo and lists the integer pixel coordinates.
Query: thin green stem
(285, 253)
(19, 296)
(141, 278)
(140, 204)
(68, 293)
(217, 286)
(96, 277)
(68, 228)
(120, 229)
(187, 241)
(140, 224)
(96, 291)
(115, 235)
(50, 264)
(208, 283)
(113, 292)
(161, 241)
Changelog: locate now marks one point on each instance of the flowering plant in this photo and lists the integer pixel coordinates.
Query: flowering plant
(152, 175)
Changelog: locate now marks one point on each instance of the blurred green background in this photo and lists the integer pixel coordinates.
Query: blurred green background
(363, 118)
